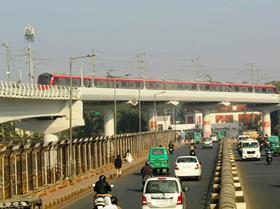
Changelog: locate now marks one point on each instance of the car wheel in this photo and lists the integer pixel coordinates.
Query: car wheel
(167, 171)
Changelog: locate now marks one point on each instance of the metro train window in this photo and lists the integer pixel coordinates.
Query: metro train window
(263, 90)
(194, 87)
(59, 82)
(87, 83)
(150, 86)
(76, 82)
(180, 86)
(124, 84)
(236, 88)
(207, 87)
(250, 89)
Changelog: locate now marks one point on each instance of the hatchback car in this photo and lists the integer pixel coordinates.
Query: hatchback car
(187, 166)
(207, 143)
(164, 193)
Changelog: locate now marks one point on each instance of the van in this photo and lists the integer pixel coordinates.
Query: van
(158, 158)
(250, 148)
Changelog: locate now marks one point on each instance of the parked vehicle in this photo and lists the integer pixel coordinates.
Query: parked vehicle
(187, 166)
(158, 158)
(207, 143)
(250, 149)
(163, 193)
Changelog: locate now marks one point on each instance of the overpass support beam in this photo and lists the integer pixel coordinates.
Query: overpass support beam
(206, 123)
(109, 122)
(266, 122)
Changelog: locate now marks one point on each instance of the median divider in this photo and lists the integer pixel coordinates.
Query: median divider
(226, 192)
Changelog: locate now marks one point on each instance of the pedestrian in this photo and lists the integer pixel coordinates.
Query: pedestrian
(118, 166)
(128, 156)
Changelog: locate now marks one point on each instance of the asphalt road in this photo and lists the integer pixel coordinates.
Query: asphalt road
(260, 182)
(128, 188)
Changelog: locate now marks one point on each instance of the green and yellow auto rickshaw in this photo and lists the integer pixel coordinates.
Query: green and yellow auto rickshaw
(274, 144)
(158, 158)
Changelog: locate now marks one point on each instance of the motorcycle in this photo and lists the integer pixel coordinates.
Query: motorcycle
(98, 199)
(192, 152)
(171, 150)
(269, 157)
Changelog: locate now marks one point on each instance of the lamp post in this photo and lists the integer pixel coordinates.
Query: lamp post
(115, 103)
(155, 111)
(70, 112)
(174, 103)
(8, 72)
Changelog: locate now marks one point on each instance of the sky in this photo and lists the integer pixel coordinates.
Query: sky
(225, 35)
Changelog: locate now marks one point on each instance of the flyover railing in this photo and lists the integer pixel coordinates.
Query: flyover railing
(36, 91)
(24, 169)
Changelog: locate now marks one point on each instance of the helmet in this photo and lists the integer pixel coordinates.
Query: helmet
(114, 200)
(102, 178)
(147, 163)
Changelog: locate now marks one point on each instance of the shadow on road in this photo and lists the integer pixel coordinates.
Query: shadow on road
(134, 190)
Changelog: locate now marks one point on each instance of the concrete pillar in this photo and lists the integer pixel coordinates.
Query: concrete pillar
(152, 120)
(266, 122)
(109, 122)
(206, 123)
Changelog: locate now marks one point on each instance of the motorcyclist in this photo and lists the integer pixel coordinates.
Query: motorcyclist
(102, 186)
(171, 145)
(147, 170)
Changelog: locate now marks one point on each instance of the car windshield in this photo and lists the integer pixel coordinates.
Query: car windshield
(250, 145)
(158, 152)
(212, 135)
(208, 139)
(162, 186)
(186, 160)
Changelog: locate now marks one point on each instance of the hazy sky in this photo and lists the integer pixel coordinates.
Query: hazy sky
(224, 34)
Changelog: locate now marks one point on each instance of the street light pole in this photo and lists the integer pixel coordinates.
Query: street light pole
(155, 112)
(70, 113)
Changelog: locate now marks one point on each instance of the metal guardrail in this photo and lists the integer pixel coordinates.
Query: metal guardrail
(24, 169)
(36, 91)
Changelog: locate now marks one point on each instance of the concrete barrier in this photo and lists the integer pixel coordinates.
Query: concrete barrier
(226, 192)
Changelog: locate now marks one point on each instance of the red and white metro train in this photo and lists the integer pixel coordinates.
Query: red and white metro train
(136, 83)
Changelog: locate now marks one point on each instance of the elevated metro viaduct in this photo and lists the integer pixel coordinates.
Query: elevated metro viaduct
(47, 110)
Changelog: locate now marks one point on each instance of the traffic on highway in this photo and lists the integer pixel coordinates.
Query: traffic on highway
(183, 183)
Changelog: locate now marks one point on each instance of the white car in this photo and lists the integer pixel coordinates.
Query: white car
(207, 143)
(250, 148)
(187, 166)
(164, 193)
(214, 137)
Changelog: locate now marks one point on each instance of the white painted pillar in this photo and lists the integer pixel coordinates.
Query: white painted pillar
(266, 122)
(206, 123)
(152, 120)
(109, 122)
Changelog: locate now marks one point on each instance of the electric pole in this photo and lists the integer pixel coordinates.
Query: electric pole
(8, 72)
(197, 67)
(93, 65)
(251, 68)
(29, 32)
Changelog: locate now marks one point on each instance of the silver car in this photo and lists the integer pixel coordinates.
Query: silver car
(164, 193)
